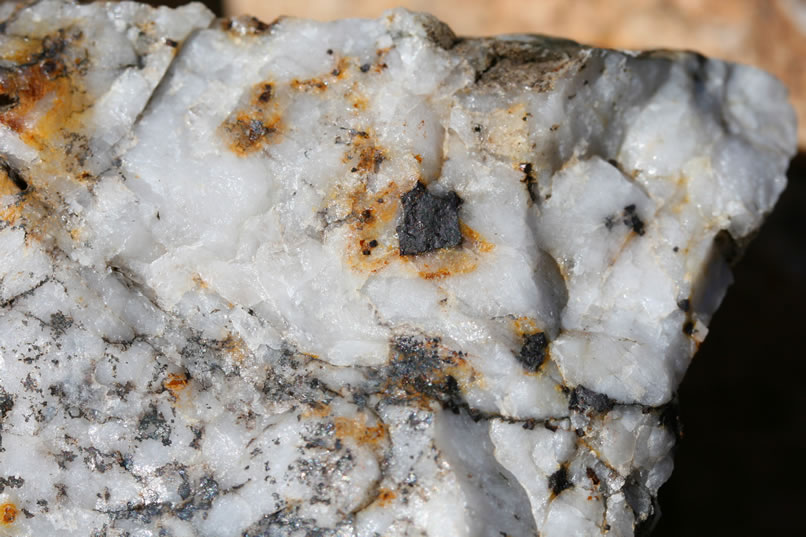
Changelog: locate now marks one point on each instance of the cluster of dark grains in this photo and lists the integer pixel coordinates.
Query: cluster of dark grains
(533, 351)
(583, 399)
(632, 221)
(558, 481)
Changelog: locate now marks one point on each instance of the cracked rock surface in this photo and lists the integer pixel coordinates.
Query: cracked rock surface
(361, 278)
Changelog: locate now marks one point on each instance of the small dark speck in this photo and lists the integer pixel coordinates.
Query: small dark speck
(335, 72)
(688, 328)
(373, 243)
(171, 43)
(366, 251)
(477, 128)
(675, 249)
(329, 51)
(364, 67)
(684, 304)
(353, 170)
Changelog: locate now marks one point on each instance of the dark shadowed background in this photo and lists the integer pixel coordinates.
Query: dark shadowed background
(740, 467)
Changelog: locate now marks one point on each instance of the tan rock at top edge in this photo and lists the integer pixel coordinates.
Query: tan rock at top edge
(770, 34)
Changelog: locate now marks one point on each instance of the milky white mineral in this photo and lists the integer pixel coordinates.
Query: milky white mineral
(361, 278)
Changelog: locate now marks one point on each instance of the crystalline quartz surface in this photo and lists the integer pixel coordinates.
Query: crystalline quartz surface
(360, 278)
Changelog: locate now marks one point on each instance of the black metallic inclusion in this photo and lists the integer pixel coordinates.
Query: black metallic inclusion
(429, 222)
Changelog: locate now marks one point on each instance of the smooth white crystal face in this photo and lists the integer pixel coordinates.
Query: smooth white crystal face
(355, 278)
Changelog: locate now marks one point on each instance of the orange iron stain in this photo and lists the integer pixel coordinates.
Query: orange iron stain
(9, 513)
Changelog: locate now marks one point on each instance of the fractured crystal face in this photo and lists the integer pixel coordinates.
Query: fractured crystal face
(356, 278)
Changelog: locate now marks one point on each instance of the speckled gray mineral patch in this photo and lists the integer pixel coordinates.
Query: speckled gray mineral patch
(358, 278)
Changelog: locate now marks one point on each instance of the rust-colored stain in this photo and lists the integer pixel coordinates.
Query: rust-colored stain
(43, 100)
(385, 497)
(372, 244)
(11, 210)
(175, 383)
(11, 213)
(13, 191)
(525, 326)
(363, 154)
(447, 262)
(426, 373)
(358, 430)
(262, 94)
(8, 511)
(316, 410)
(250, 131)
(239, 26)
(359, 102)
(371, 212)
(321, 83)
(380, 66)
(373, 218)
(235, 347)
(199, 282)
(22, 88)
(256, 123)
(311, 84)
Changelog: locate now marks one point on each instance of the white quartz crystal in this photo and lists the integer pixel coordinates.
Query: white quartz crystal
(360, 278)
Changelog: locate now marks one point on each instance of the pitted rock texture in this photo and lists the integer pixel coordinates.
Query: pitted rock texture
(357, 278)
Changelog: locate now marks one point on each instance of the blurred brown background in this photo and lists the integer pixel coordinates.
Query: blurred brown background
(739, 468)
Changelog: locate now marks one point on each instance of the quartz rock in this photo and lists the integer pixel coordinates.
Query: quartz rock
(356, 278)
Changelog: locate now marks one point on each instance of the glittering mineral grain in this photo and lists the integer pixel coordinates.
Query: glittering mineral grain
(358, 278)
